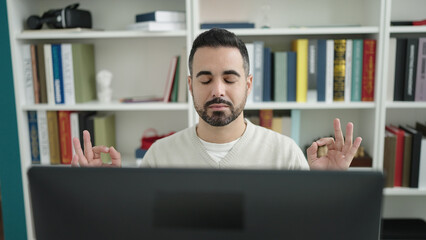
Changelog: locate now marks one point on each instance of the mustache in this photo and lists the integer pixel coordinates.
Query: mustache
(216, 101)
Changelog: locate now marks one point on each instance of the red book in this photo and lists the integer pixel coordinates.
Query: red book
(65, 136)
(368, 69)
(399, 154)
(265, 118)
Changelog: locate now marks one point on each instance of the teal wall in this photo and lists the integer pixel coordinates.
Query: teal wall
(10, 165)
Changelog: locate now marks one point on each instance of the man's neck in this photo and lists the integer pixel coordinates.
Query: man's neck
(224, 134)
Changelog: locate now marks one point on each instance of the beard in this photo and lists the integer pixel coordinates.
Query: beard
(220, 118)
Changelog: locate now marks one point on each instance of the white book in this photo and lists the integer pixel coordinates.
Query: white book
(329, 72)
(157, 26)
(391, 70)
(28, 74)
(250, 50)
(75, 128)
(162, 16)
(43, 137)
(258, 71)
(348, 70)
(422, 166)
(49, 74)
(68, 73)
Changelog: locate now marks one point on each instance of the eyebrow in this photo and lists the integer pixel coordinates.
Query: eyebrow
(227, 72)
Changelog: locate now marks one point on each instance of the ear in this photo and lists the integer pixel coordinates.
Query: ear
(249, 84)
(190, 85)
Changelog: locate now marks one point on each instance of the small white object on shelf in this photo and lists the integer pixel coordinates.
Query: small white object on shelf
(104, 91)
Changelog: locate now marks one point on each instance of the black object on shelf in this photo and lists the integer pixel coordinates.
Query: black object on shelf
(403, 229)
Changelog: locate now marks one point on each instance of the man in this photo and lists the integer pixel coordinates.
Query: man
(219, 83)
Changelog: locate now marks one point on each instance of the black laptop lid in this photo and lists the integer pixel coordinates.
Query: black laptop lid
(131, 203)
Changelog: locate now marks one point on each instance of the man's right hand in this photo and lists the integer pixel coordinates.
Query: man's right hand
(91, 157)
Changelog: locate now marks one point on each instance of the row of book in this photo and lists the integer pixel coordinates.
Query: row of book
(278, 121)
(51, 133)
(159, 21)
(407, 69)
(404, 160)
(59, 73)
(316, 70)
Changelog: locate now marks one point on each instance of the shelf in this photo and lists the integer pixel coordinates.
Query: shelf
(305, 31)
(402, 191)
(294, 105)
(405, 105)
(113, 106)
(93, 34)
(408, 29)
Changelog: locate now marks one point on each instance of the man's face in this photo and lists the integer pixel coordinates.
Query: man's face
(219, 85)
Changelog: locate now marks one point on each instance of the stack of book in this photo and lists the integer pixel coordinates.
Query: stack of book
(51, 134)
(59, 73)
(159, 21)
(316, 70)
(405, 156)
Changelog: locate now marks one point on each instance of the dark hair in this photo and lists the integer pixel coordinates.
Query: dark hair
(217, 37)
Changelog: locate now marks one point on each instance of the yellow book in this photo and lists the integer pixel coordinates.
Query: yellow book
(339, 69)
(104, 132)
(300, 46)
(277, 124)
(53, 131)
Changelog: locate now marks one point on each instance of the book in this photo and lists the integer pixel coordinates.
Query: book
(321, 69)
(348, 70)
(286, 127)
(312, 94)
(83, 125)
(43, 137)
(295, 125)
(53, 131)
(422, 166)
(329, 72)
(411, 69)
(389, 156)
(57, 74)
(420, 93)
(174, 96)
(300, 46)
(68, 73)
(84, 76)
(277, 124)
(250, 51)
(104, 132)
(339, 70)
(280, 77)
(356, 83)
(416, 141)
(41, 70)
(399, 155)
(265, 118)
(258, 71)
(28, 74)
(33, 136)
(228, 25)
(48, 64)
(400, 65)
(64, 122)
(170, 79)
(368, 70)
(157, 26)
(291, 76)
(36, 81)
(408, 23)
(75, 129)
(391, 69)
(161, 16)
(267, 79)
(407, 159)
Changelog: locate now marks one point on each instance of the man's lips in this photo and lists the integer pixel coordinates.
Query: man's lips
(218, 106)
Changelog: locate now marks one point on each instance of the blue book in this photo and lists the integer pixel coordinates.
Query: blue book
(258, 72)
(58, 83)
(161, 16)
(267, 80)
(357, 52)
(227, 25)
(34, 141)
(291, 76)
(321, 69)
(295, 125)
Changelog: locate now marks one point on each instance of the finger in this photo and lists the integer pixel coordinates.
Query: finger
(88, 152)
(325, 141)
(74, 161)
(79, 151)
(352, 151)
(311, 152)
(115, 157)
(348, 137)
(338, 135)
(97, 150)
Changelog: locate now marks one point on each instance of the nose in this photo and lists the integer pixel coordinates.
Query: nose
(218, 88)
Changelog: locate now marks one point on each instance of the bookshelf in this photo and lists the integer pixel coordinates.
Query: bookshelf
(139, 61)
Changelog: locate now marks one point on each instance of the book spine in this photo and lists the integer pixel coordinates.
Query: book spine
(411, 69)
(41, 73)
(391, 70)
(339, 70)
(36, 81)
(34, 140)
(161, 16)
(57, 74)
(277, 124)
(295, 125)
(368, 70)
(422, 166)
(226, 25)
(65, 136)
(104, 133)
(389, 158)
(357, 51)
(170, 79)
(250, 51)
(49, 74)
(267, 80)
(312, 94)
(300, 46)
(321, 69)
(400, 63)
(145, 17)
(280, 72)
(329, 73)
(348, 69)
(265, 118)
(291, 76)
(399, 156)
(83, 66)
(75, 128)
(43, 137)
(68, 73)
(258, 72)
(53, 129)
(421, 72)
(176, 80)
(28, 74)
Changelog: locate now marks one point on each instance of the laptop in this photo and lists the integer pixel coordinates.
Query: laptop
(141, 203)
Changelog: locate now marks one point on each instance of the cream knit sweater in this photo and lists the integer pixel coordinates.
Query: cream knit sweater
(258, 148)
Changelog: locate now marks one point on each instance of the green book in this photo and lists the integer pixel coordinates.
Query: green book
(104, 132)
(357, 51)
(280, 76)
(174, 96)
(83, 60)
